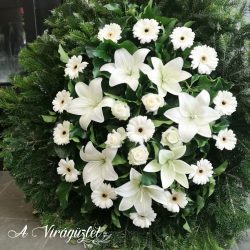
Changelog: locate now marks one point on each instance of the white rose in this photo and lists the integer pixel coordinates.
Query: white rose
(115, 139)
(171, 137)
(121, 110)
(152, 102)
(138, 155)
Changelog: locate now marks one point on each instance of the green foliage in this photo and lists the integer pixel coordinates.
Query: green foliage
(31, 157)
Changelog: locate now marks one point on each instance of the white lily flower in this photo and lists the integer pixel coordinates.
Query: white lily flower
(99, 165)
(90, 102)
(193, 116)
(171, 167)
(126, 68)
(167, 77)
(137, 195)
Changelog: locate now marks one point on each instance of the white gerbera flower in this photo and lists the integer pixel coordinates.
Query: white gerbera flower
(203, 170)
(103, 196)
(110, 32)
(146, 30)
(175, 201)
(67, 168)
(225, 139)
(61, 133)
(74, 67)
(143, 219)
(204, 58)
(61, 101)
(140, 129)
(225, 102)
(182, 37)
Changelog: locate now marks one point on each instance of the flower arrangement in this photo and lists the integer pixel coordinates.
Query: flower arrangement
(146, 121)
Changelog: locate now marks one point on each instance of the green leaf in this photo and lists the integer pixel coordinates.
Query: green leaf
(49, 118)
(115, 7)
(115, 219)
(129, 46)
(219, 170)
(61, 151)
(189, 24)
(156, 148)
(106, 50)
(118, 160)
(211, 186)
(149, 179)
(187, 227)
(158, 123)
(63, 55)
(62, 192)
(71, 87)
(200, 202)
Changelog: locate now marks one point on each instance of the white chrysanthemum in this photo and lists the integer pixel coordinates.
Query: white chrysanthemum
(140, 129)
(143, 219)
(67, 168)
(182, 37)
(110, 32)
(225, 102)
(203, 170)
(225, 139)
(204, 58)
(175, 201)
(61, 101)
(74, 67)
(146, 30)
(61, 133)
(103, 196)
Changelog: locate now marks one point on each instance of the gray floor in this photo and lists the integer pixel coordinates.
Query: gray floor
(15, 214)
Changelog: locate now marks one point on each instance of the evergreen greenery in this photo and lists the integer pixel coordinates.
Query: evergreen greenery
(31, 156)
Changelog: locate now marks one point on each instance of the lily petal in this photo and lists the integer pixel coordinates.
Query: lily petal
(167, 176)
(108, 172)
(127, 203)
(85, 120)
(182, 180)
(182, 167)
(91, 153)
(109, 67)
(140, 55)
(152, 166)
(174, 115)
(165, 155)
(203, 98)
(157, 194)
(187, 131)
(179, 151)
(128, 189)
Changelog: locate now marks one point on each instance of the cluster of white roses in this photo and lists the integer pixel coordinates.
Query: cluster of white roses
(193, 116)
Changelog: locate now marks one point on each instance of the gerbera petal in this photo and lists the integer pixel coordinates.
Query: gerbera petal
(152, 166)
